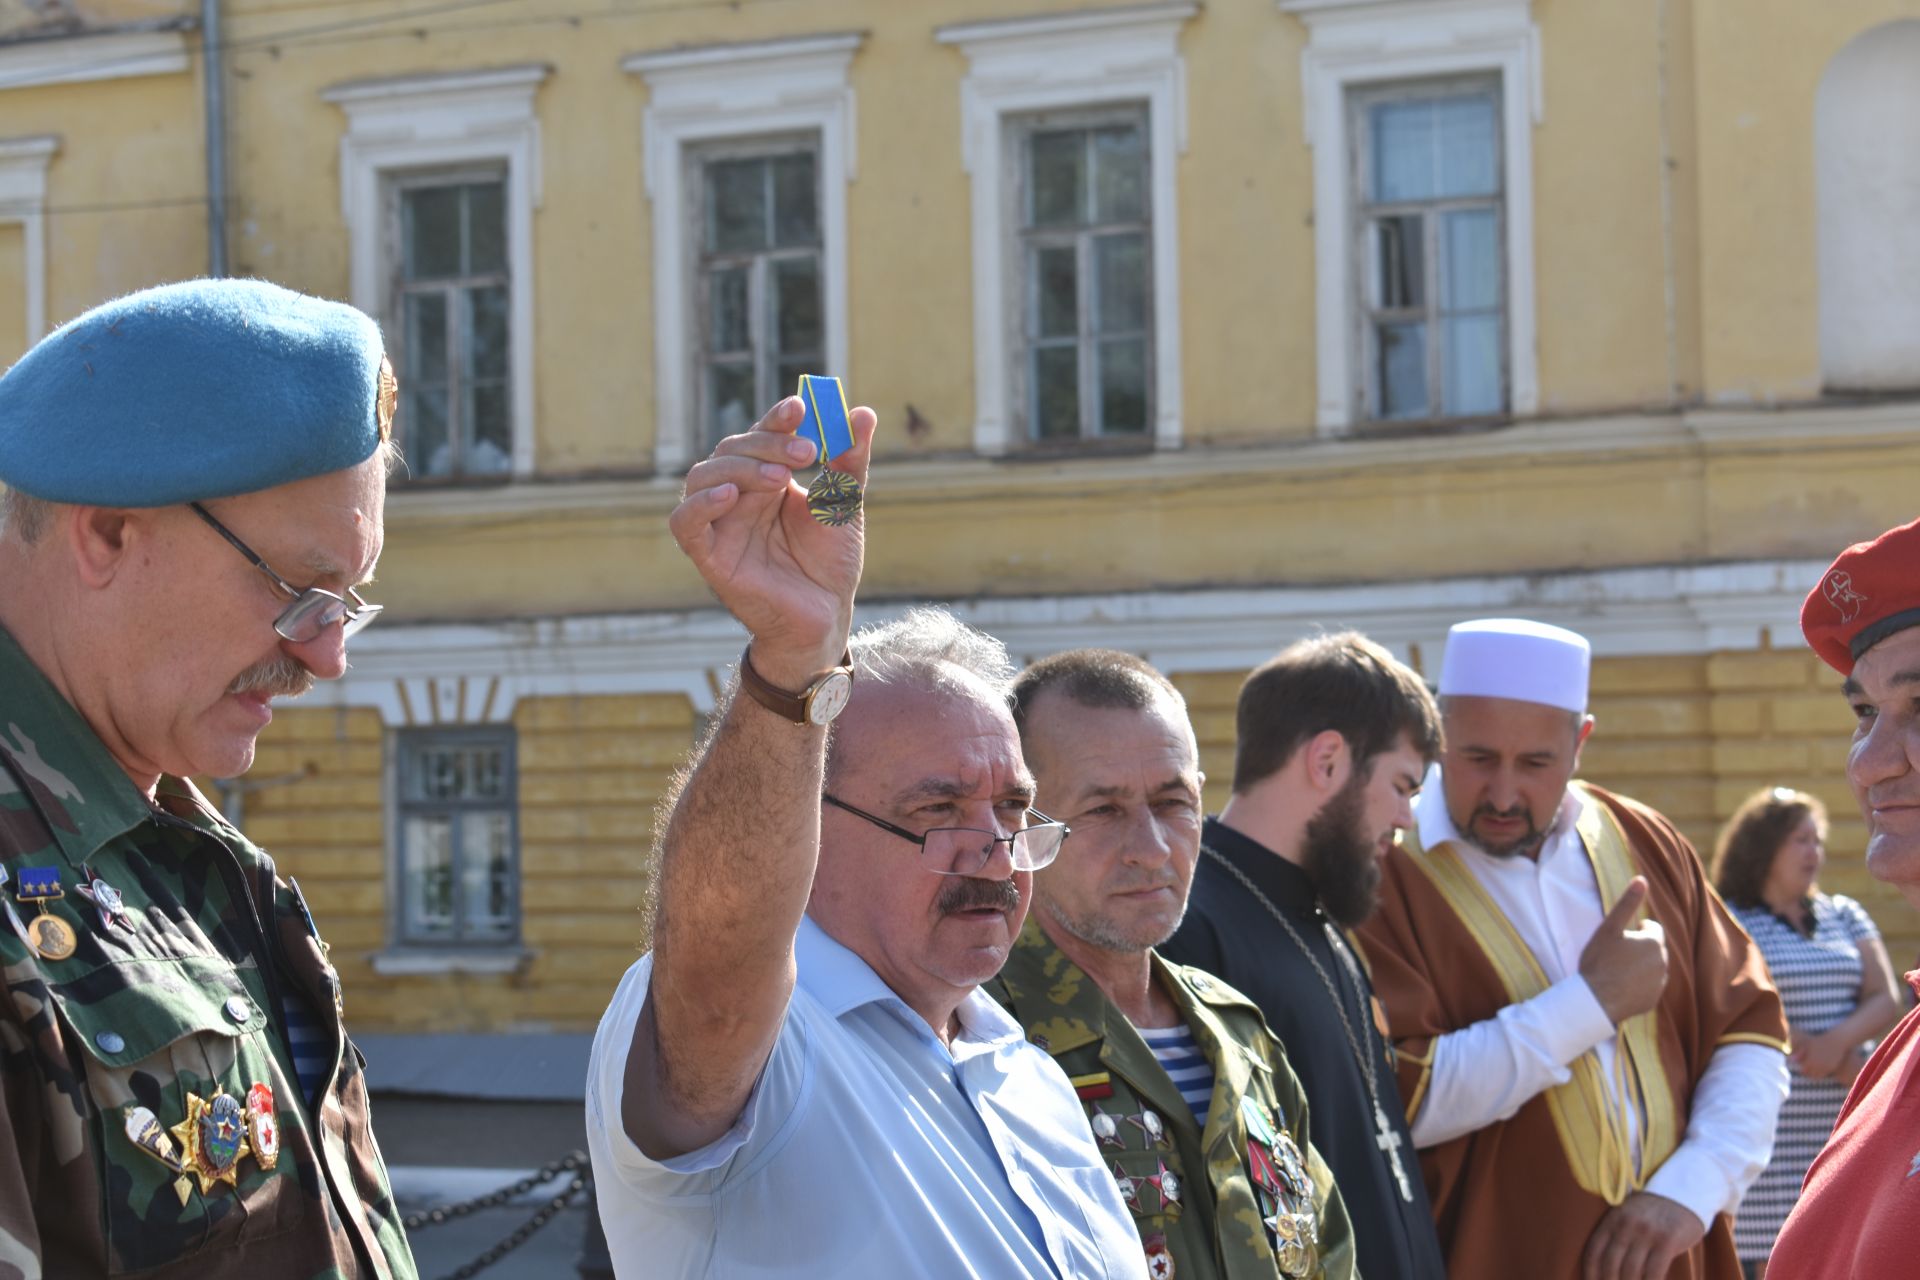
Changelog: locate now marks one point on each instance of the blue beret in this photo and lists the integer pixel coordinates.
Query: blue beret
(194, 390)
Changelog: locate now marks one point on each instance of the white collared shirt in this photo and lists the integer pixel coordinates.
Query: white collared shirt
(867, 1148)
(1484, 1073)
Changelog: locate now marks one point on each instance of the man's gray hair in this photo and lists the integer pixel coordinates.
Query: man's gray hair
(23, 516)
(923, 646)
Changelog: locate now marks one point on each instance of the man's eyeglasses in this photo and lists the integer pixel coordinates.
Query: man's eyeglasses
(312, 610)
(963, 851)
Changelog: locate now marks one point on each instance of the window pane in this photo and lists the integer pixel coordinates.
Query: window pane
(489, 887)
(727, 299)
(438, 773)
(490, 444)
(426, 326)
(1056, 280)
(1123, 386)
(796, 218)
(1470, 265)
(1120, 265)
(487, 332)
(1119, 174)
(1468, 159)
(424, 438)
(796, 303)
(1402, 139)
(730, 393)
(787, 374)
(426, 852)
(736, 205)
(1472, 356)
(486, 228)
(1057, 178)
(1400, 262)
(1402, 373)
(1056, 392)
(430, 230)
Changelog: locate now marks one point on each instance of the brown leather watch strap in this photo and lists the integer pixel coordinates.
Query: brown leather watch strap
(788, 706)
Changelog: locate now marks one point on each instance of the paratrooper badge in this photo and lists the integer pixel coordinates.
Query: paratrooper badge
(263, 1131)
(144, 1131)
(213, 1138)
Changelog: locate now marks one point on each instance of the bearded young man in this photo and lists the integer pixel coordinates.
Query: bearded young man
(1334, 737)
(1591, 1093)
(1188, 1093)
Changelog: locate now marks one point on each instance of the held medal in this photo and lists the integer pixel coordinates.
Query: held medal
(833, 499)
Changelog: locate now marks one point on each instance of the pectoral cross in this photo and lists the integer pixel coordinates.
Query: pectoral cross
(1390, 1141)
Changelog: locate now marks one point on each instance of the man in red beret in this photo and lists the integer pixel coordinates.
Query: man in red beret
(1859, 1212)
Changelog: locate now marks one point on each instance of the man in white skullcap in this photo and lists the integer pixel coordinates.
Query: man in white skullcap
(1590, 1051)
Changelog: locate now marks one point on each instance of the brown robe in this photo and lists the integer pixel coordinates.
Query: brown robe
(1521, 1197)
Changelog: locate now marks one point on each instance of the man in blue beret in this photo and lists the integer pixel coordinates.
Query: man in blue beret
(194, 482)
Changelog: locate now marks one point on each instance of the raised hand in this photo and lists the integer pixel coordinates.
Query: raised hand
(744, 523)
(1626, 965)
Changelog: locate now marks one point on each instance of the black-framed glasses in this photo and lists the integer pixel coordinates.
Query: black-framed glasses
(312, 610)
(962, 851)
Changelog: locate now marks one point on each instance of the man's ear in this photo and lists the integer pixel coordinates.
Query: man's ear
(1580, 739)
(100, 539)
(1329, 761)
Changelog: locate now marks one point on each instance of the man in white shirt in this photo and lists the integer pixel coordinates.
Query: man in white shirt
(1591, 1053)
(801, 1078)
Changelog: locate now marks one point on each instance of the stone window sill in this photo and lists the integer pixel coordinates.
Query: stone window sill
(507, 960)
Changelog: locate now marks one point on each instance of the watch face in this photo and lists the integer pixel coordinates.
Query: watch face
(830, 699)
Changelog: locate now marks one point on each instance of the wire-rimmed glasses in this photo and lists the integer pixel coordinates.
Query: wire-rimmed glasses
(313, 610)
(963, 851)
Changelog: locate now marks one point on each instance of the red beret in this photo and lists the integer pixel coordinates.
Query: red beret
(1870, 592)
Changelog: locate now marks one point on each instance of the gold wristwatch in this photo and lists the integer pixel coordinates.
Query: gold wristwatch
(817, 704)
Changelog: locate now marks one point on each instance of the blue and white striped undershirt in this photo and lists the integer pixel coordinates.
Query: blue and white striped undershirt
(1183, 1062)
(308, 1042)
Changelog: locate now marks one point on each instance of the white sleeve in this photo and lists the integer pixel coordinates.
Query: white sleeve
(1484, 1073)
(1729, 1131)
(763, 1124)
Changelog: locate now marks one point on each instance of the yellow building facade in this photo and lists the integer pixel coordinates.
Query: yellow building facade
(1192, 329)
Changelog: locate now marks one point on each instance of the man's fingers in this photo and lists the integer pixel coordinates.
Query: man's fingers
(768, 446)
(691, 523)
(750, 475)
(1621, 917)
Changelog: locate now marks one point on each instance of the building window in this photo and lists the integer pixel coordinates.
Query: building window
(450, 322)
(439, 184)
(459, 846)
(1429, 229)
(1086, 281)
(759, 276)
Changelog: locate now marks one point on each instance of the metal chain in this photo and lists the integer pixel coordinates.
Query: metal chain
(1326, 979)
(572, 1161)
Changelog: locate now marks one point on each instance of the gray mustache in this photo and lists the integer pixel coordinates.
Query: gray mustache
(964, 893)
(281, 678)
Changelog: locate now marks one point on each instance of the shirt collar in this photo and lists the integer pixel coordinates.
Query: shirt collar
(836, 976)
(1435, 824)
(75, 783)
(1286, 884)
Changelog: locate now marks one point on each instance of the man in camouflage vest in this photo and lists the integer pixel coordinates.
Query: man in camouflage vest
(1189, 1095)
(178, 1097)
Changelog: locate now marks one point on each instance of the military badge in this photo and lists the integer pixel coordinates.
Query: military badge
(1106, 1129)
(1149, 1123)
(263, 1131)
(213, 1138)
(387, 398)
(144, 1132)
(1159, 1257)
(105, 899)
(1167, 1182)
(1129, 1187)
(51, 937)
(833, 499)
(1098, 1084)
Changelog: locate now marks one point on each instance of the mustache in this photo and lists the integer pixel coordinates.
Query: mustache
(1488, 811)
(965, 893)
(280, 678)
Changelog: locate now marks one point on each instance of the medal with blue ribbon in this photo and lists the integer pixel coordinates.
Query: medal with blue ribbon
(833, 499)
(50, 937)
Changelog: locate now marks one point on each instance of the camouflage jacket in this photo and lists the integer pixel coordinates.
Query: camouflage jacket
(1265, 1205)
(152, 1120)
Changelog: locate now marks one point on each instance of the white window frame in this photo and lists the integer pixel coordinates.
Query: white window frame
(23, 201)
(1356, 43)
(400, 741)
(442, 121)
(736, 91)
(1059, 62)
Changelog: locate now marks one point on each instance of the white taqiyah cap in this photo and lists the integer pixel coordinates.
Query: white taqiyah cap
(1515, 658)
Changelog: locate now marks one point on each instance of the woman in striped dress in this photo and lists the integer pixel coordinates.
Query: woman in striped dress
(1834, 978)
